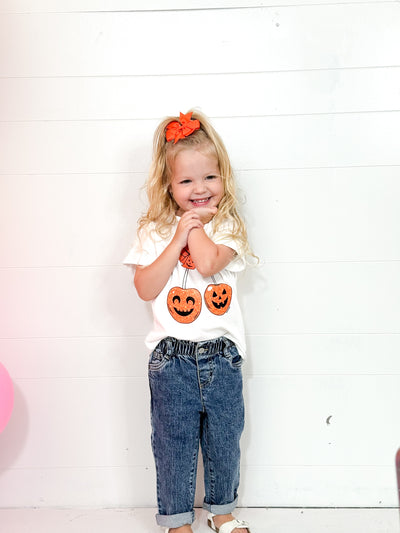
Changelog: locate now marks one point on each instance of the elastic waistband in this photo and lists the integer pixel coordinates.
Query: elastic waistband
(170, 346)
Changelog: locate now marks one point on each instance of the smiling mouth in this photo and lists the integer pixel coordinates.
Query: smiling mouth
(200, 201)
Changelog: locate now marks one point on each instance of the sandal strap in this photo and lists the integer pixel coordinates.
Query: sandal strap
(228, 527)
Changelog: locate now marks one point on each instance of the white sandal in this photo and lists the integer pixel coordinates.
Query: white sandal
(228, 527)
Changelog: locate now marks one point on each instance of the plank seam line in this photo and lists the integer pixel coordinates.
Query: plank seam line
(197, 74)
(247, 374)
(196, 9)
(216, 117)
(144, 171)
(263, 262)
(298, 334)
(264, 466)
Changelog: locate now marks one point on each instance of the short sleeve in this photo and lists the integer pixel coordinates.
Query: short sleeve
(144, 250)
(223, 236)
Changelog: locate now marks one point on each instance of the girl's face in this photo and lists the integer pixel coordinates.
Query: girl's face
(195, 180)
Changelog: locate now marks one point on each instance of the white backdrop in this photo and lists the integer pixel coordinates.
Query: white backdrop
(307, 100)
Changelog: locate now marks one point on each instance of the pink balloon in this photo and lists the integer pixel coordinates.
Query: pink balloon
(6, 397)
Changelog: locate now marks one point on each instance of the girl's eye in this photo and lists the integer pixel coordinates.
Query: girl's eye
(211, 177)
(185, 181)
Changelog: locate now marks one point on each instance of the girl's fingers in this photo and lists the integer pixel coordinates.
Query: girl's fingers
(205, 213)
(190, 219)
(190, 215)
(196, 221)
(187, 224)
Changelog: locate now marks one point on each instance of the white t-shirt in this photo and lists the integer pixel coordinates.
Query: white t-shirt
(191, 307)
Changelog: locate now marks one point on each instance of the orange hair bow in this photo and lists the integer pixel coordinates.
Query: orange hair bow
(179, 130)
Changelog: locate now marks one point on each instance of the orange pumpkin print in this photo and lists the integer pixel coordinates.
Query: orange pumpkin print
(184, 304)
(186, 259)
(218, 297)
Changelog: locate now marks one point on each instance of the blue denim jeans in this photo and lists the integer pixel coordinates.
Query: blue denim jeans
(196, 397)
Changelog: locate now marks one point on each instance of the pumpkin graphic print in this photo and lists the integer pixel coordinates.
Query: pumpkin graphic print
(184, 304)
(218, 297)
(186, 259)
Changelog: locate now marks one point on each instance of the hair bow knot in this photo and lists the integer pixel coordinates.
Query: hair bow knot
(179, 130)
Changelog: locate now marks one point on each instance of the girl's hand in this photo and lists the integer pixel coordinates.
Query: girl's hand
(205, 213)
(189, 220)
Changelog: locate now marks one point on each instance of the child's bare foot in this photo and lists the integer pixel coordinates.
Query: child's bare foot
(182, 529)
(220, 519)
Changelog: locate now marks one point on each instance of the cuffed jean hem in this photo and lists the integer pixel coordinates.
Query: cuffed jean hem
(175, 520)
(227, 508)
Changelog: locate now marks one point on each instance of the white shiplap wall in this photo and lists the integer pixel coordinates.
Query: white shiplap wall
(307, 99)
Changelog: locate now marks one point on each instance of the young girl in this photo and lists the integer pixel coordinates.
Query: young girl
(191, 245)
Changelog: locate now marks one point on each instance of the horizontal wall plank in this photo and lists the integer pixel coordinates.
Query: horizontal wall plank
(323, 354)
(73, 6)
(312, 141)
(87, 423)
(94, 216)
(305, 486)
(79, 487)
(271, 142)
(70, 146)
(64, 302)
(300, 298)
(338, 36)
(315, 298)
(106, 357)
(321, 416)
(318, 486)
(80, 357)
(268, 93)
(323, 214)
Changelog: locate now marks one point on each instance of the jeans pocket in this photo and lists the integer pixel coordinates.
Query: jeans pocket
(157, 361)
(233, 356)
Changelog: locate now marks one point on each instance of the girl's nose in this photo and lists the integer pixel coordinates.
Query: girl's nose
(199, 187)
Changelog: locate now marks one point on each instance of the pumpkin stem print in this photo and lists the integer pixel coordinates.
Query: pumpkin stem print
(218, 297)
(184, 304)
(186, 259)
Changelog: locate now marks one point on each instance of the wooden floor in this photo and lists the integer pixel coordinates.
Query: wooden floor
(142, 520)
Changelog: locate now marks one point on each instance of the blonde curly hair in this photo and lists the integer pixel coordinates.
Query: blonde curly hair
(162, 207)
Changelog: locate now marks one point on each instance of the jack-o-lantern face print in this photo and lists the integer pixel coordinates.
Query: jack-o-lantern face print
(184, 304)
(186, 259)
(218, 298)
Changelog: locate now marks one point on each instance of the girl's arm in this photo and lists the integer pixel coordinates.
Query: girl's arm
(209, 258)
(150, 280)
